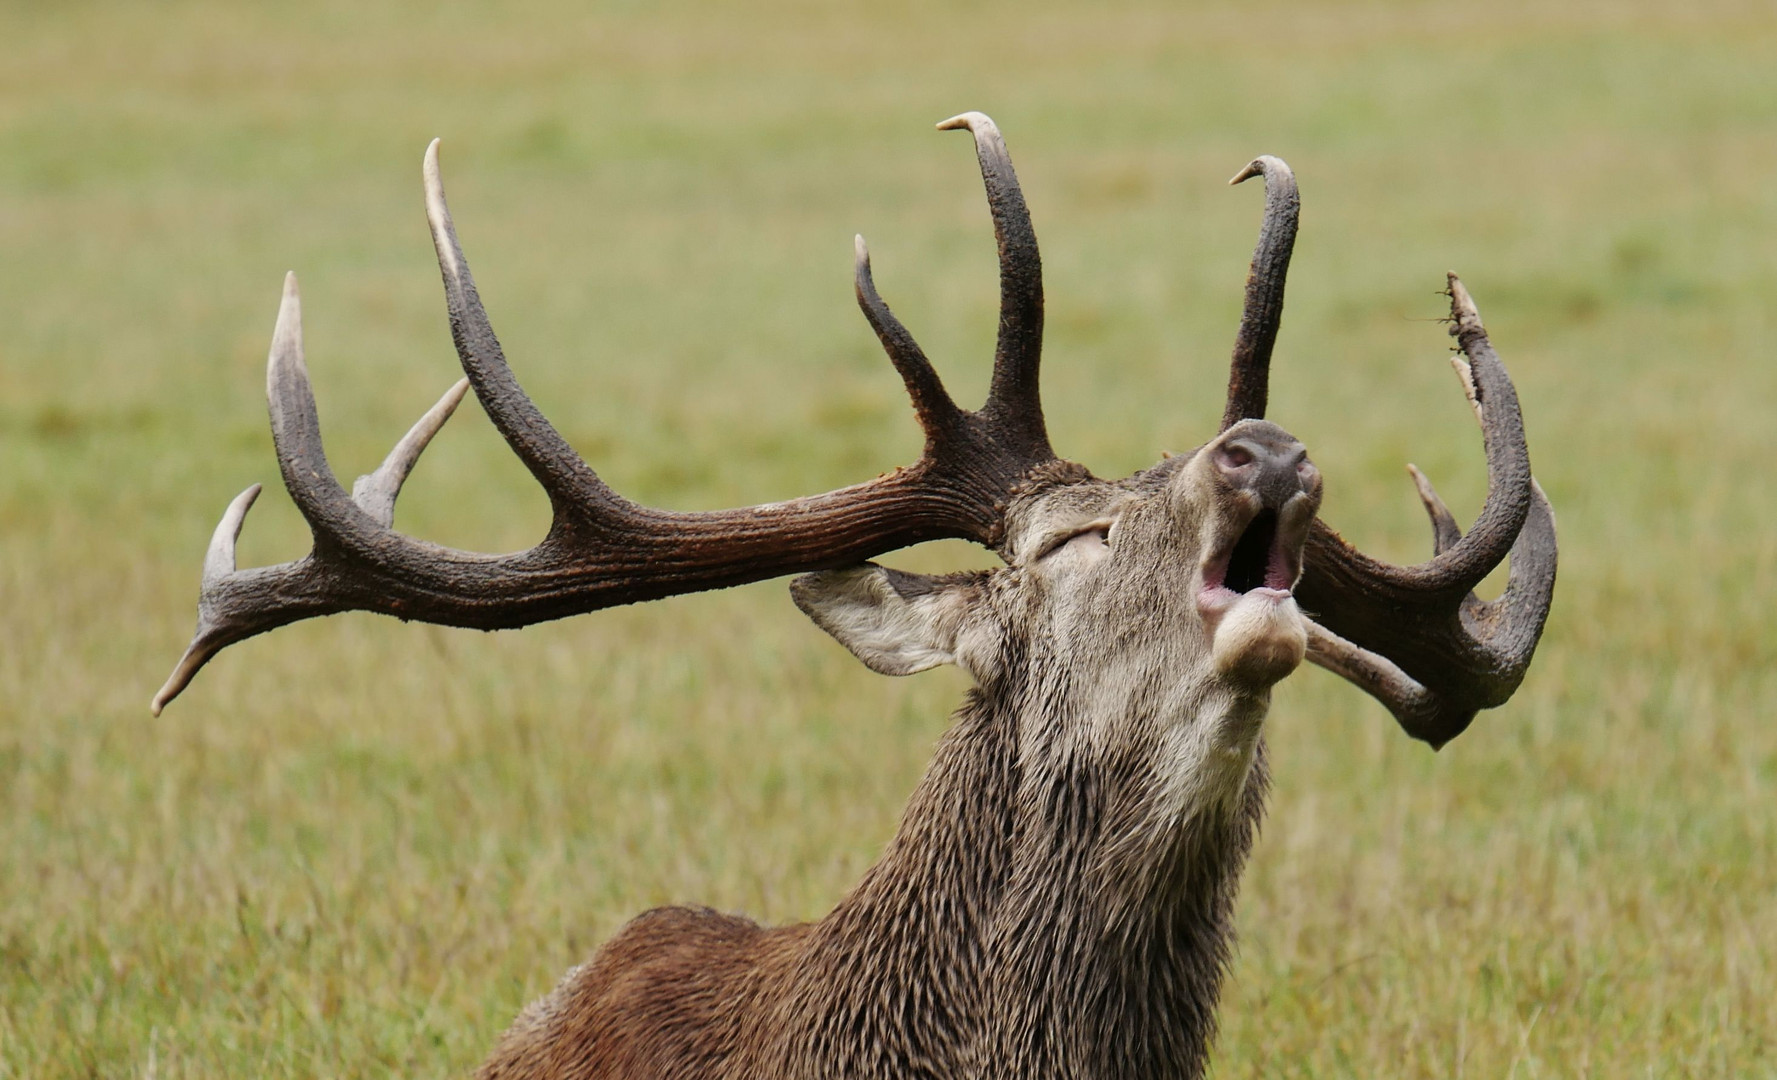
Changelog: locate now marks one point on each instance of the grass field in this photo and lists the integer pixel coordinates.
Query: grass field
(357, 847)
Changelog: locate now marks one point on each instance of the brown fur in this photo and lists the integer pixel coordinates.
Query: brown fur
(1058, 898)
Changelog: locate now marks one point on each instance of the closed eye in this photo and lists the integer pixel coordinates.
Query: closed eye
(1092, 537)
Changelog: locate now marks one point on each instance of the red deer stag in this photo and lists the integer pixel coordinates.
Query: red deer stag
(1057, 900)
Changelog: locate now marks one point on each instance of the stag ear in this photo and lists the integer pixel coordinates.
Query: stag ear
(895, 622)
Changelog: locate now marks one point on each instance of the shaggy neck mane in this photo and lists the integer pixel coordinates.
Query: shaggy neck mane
(1012, 928)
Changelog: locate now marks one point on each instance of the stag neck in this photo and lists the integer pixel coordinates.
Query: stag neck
(994, 893)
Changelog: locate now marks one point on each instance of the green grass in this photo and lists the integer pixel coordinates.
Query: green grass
(356, 847)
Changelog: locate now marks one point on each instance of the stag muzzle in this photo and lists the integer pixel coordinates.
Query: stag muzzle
(1259, 457)
(1256, 494)
(1262, 493)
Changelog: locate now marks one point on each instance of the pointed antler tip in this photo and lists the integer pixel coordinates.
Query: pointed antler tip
(192, 659)
(219, 557)
(244, 501)
(1434, 505)
(286, 333)
(1269, 166)
(1255, 167)
(971, 120)
(859, 248)
(438, 215)
(432, 179)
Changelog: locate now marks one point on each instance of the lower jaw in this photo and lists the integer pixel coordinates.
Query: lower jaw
(1214, 601)
(1258, 637)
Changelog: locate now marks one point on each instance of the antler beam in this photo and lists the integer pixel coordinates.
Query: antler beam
(1414, 637)
(1417, 637)
(602, 550)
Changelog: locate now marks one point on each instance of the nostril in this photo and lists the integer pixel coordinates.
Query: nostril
(1235, 456)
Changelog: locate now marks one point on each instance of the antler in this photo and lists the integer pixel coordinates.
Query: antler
(1417, 637)
(1249, 376)
(602, 550)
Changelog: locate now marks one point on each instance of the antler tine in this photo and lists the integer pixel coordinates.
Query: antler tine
(334, 516)
(1249, 376)
(1460, 567)
(1014, 402)
(295, 422)
(1509, 482)
(375, 493)
(938, 414)
(218, 564)
(1445, 533)
(1523, 606)
(1499, 638)
(1416, 637)
(575, 491)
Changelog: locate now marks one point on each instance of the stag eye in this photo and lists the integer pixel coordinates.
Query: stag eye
(1093, 537)
(1251, 556)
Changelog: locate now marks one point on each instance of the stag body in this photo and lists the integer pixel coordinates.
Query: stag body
(1057, 900)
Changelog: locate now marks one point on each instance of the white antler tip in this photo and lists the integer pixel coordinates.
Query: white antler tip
(438, 212)
(429, 170)
(860, 249)
(219, 559)
(974, 121)
(286, 333)
(244, 502)
(194, 658)
(1269, 166)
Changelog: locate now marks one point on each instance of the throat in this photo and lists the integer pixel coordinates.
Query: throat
(1085, 931)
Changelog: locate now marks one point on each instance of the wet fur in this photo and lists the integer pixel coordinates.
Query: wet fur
(1058, 899)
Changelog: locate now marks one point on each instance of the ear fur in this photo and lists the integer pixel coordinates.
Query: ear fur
(895, 622)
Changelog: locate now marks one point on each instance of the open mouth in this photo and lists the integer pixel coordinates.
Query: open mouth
(1250, 561)
(1257, 560)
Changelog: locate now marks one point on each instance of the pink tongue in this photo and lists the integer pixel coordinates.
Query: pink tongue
(1277, 569)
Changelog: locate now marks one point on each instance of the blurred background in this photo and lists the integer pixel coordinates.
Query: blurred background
(357, 847)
